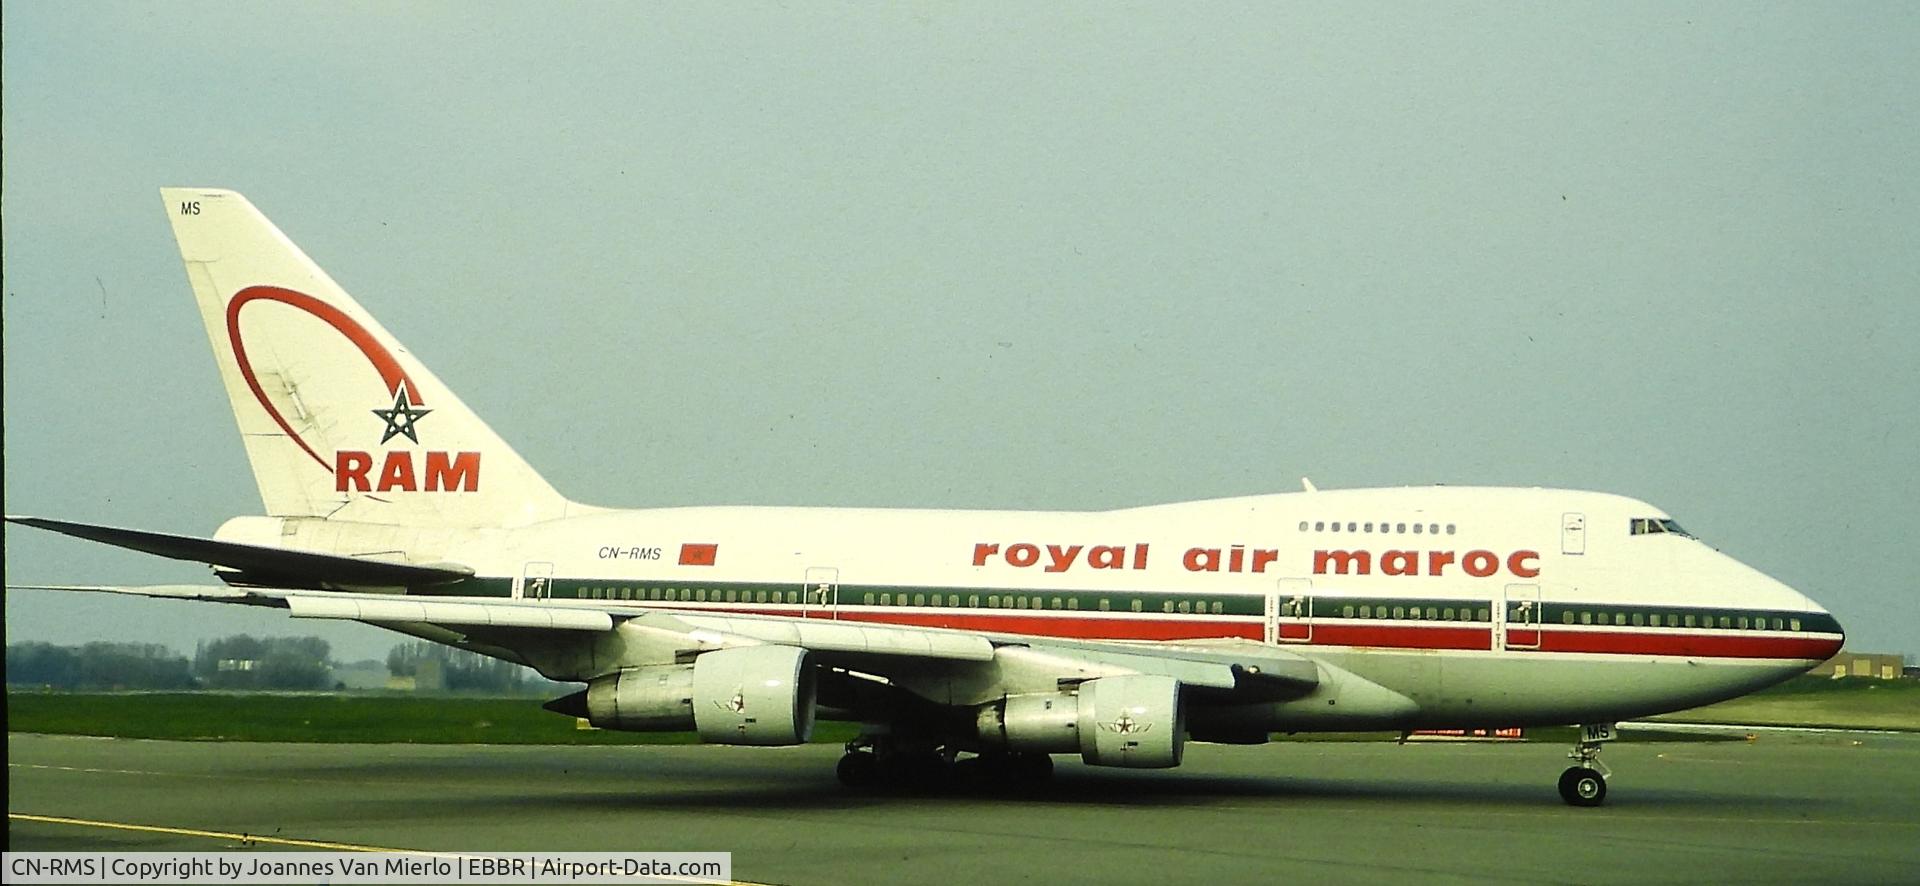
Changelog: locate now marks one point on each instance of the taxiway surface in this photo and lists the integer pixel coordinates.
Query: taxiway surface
(1833, 807)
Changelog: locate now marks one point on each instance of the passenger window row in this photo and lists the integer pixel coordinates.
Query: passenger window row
(1038, 601)
(1382, 527)
(1419, 613)
(686, 595)
(900, 598)
(1295, 608)
(1724, 621)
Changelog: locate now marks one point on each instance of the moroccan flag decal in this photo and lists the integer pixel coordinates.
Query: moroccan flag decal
(698, 555)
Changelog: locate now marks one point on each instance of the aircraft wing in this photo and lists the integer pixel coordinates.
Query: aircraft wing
(1242, 672)
(1237, 666)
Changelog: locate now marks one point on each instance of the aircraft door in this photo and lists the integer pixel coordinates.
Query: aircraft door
(1290, 611)
(1517, 620)
(536, 582)
(820, 594)
(1573, 534)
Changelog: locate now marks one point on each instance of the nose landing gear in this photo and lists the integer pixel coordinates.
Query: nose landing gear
(1585, 783)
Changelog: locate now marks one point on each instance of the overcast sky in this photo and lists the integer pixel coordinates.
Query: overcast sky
(1059, 256)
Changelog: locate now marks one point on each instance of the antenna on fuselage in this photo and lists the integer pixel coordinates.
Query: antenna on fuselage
(1307, 485)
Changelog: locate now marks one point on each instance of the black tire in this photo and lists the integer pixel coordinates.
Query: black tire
(858, 769)
(1580, 786)
(925, 772)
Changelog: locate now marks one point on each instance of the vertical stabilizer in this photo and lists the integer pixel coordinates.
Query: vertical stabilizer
(339, 419)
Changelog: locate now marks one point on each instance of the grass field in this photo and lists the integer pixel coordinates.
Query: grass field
(1853, 703)
(320, 718)
(1808, 701)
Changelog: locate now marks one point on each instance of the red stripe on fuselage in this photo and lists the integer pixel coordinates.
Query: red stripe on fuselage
(1702, 645)
(1076, 627)
(1401, 636)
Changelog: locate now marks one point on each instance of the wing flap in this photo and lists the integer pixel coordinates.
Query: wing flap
(827, 636)
(440, 612)
(1084, 662)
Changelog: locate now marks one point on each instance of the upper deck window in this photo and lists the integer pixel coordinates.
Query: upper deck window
(1656, 526)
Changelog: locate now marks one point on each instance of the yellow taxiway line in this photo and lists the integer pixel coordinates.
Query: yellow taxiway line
(222, 835)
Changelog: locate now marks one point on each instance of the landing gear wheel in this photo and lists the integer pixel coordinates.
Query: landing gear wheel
(1585, 782)
(858, 769)
(1580, 786)
(922, 772)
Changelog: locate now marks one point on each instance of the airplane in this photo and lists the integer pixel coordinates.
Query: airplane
(962, 641)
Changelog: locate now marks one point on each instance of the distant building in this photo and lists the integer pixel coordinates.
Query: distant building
(1872, 665)
(430, 676)
(361, 675)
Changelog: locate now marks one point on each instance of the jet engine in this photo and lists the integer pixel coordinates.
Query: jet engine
(1134, 721)
(747, 695)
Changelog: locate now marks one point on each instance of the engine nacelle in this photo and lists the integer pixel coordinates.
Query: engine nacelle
(747, 695)
(1133, 721)
(650, 699)
(754, 695)
(1033, 724)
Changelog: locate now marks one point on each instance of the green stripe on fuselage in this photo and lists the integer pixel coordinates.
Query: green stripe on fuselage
(1252, 605)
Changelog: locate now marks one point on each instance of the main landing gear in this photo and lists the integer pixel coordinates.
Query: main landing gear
(1585, 782)
(883, 762)
(874, 761)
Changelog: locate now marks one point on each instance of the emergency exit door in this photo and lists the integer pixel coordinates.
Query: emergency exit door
(1290, 611)
(1518, 618)
(820, 594)
(536, 581)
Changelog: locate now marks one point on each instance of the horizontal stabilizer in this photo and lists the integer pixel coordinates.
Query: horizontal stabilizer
(371, 608)
(258, 564)
(203, 593)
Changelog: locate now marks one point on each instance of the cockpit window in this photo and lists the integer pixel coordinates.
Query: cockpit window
(1656, 526)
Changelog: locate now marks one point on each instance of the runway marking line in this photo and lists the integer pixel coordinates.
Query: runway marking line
(256, 838)
(222, 835)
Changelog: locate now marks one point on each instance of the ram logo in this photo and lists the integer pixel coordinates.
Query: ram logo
(735, 705)
(1127, 725)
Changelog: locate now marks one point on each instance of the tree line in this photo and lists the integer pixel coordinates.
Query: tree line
(458, 669)
(244, 662)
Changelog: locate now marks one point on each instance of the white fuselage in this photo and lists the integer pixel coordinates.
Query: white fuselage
(1484, 606)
